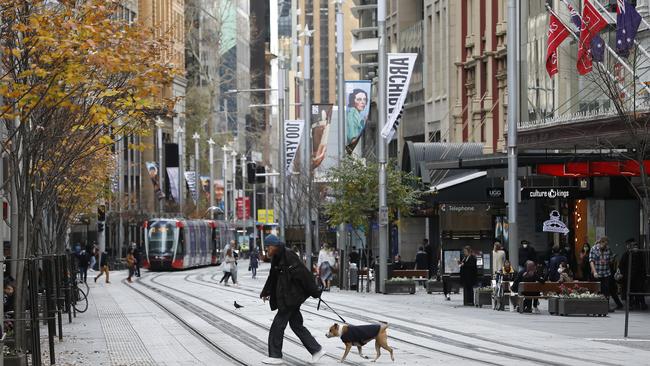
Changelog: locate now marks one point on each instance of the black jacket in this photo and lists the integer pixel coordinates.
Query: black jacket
(527, 254)
(290, 283)
(468, 271)
(421, 260)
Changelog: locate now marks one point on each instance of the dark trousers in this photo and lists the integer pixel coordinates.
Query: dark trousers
(226, 276)
(276, 334)
(468, 294)
(83, 273)
(613, 291)
(254, 270)
(137, 268)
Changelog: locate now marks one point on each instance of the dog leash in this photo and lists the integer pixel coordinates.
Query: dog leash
(320, 299)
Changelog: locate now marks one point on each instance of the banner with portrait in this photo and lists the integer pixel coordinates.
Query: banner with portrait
(152, 169)
(357, 111)
(321, 118)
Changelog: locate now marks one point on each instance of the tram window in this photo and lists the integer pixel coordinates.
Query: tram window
(161, 237)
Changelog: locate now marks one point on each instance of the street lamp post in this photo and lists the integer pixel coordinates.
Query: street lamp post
(513, 114)
(243, 189)
(211, 188)
(306, 152)
(281, 150)
(224, 171)
(197, 181)
(233, 155)
(340, 73)
(161, 166)
(181, 169)
(381, 146)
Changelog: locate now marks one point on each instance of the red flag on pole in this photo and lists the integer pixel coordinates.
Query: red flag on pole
(557, 33)
(592, 24)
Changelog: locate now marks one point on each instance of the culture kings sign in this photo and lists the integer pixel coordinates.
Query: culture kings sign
(292, 134)
(400, 69)
(551, 193)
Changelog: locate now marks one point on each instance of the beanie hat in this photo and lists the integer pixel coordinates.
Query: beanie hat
(272, 240)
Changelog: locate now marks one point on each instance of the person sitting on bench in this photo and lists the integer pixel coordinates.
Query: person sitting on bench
(529, 274)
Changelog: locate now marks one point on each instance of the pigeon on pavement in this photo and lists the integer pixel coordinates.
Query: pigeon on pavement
(237, 306)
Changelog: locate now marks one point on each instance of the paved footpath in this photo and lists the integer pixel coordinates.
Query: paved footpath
(123, 327)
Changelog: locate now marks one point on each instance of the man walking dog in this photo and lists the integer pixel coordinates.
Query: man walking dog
(289, 284)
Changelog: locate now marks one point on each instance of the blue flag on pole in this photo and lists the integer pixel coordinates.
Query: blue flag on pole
(627, 24)
(597, 49)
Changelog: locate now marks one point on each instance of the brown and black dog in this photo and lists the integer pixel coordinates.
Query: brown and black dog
(360, 335)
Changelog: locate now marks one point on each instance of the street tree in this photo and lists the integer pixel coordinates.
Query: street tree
(73, 76)
(353, 193)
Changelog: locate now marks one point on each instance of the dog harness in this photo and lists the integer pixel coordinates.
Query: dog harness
(361, 334)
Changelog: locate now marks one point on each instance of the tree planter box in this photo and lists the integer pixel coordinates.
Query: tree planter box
(568, 306)
(19, 359)
(399, 287)
(552, 305)
(482, 297)
(435, 286)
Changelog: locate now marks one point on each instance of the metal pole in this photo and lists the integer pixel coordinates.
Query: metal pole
(224, 171)
(254, 211)
(628, 282)
(243, 190)
(181, 170)
(161, 165)
(281, 151)
(381, 144)
(233, 155)
(120, 185)
(266, 199)
(306, 152)
(197, 180)
(513, 93)
(211, 162)
(340, 72)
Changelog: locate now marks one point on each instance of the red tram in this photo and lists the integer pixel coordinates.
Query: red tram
(181, 243)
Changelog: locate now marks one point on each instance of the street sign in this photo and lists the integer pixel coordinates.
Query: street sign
(531, 193)
(240, 208)
(265, 216)
(383, 216)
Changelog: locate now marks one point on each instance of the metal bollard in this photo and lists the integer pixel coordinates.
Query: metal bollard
(50, 304)
(33, 300)
(59, 298)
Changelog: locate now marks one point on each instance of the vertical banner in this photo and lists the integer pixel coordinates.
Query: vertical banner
(321, 116)
(173, 182)
(152, 168)
(205, 185)
(292, 134)
(219, 192)
(400, 68)
(356, 112)
(190, 178)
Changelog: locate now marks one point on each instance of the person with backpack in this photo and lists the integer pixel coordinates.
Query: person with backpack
(83, 259)
(289, 284)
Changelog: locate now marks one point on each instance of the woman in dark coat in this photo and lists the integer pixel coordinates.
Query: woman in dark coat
(468, 273)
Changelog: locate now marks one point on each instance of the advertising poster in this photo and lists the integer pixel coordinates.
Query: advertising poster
(152, 169)
(190, 178)
(321, 117)
(400, 68)
(172, 173)
(356, 112)
(292, 134)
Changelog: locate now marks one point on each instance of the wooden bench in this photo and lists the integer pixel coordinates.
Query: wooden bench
(547, 288)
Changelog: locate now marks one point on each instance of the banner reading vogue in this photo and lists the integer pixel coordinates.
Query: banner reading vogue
(321, 117)
(292, 134)
(190, 178)
(357, 111)
(172, 173)
(400, 68)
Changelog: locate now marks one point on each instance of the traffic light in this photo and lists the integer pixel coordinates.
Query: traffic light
(251, 169)
(100, 226)
(101, 213)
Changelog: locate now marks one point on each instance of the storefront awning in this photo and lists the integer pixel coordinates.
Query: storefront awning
(457, 179)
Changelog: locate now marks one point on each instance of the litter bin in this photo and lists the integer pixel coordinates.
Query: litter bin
(354, 277)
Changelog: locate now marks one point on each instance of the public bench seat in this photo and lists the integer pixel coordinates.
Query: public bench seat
(411, 273)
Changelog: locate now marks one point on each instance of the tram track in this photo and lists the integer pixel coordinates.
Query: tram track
(252, 292)
(221, 351)
(228, 310)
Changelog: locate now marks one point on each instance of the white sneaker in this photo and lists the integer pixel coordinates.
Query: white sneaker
(536, 310)
(273, 361)
(318, 355)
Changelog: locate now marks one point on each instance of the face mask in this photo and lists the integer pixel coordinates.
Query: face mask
(560, 270)
(525, 246)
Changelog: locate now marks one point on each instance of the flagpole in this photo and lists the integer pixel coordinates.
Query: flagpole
(620, 86)
(643, 50)
(618, 58)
